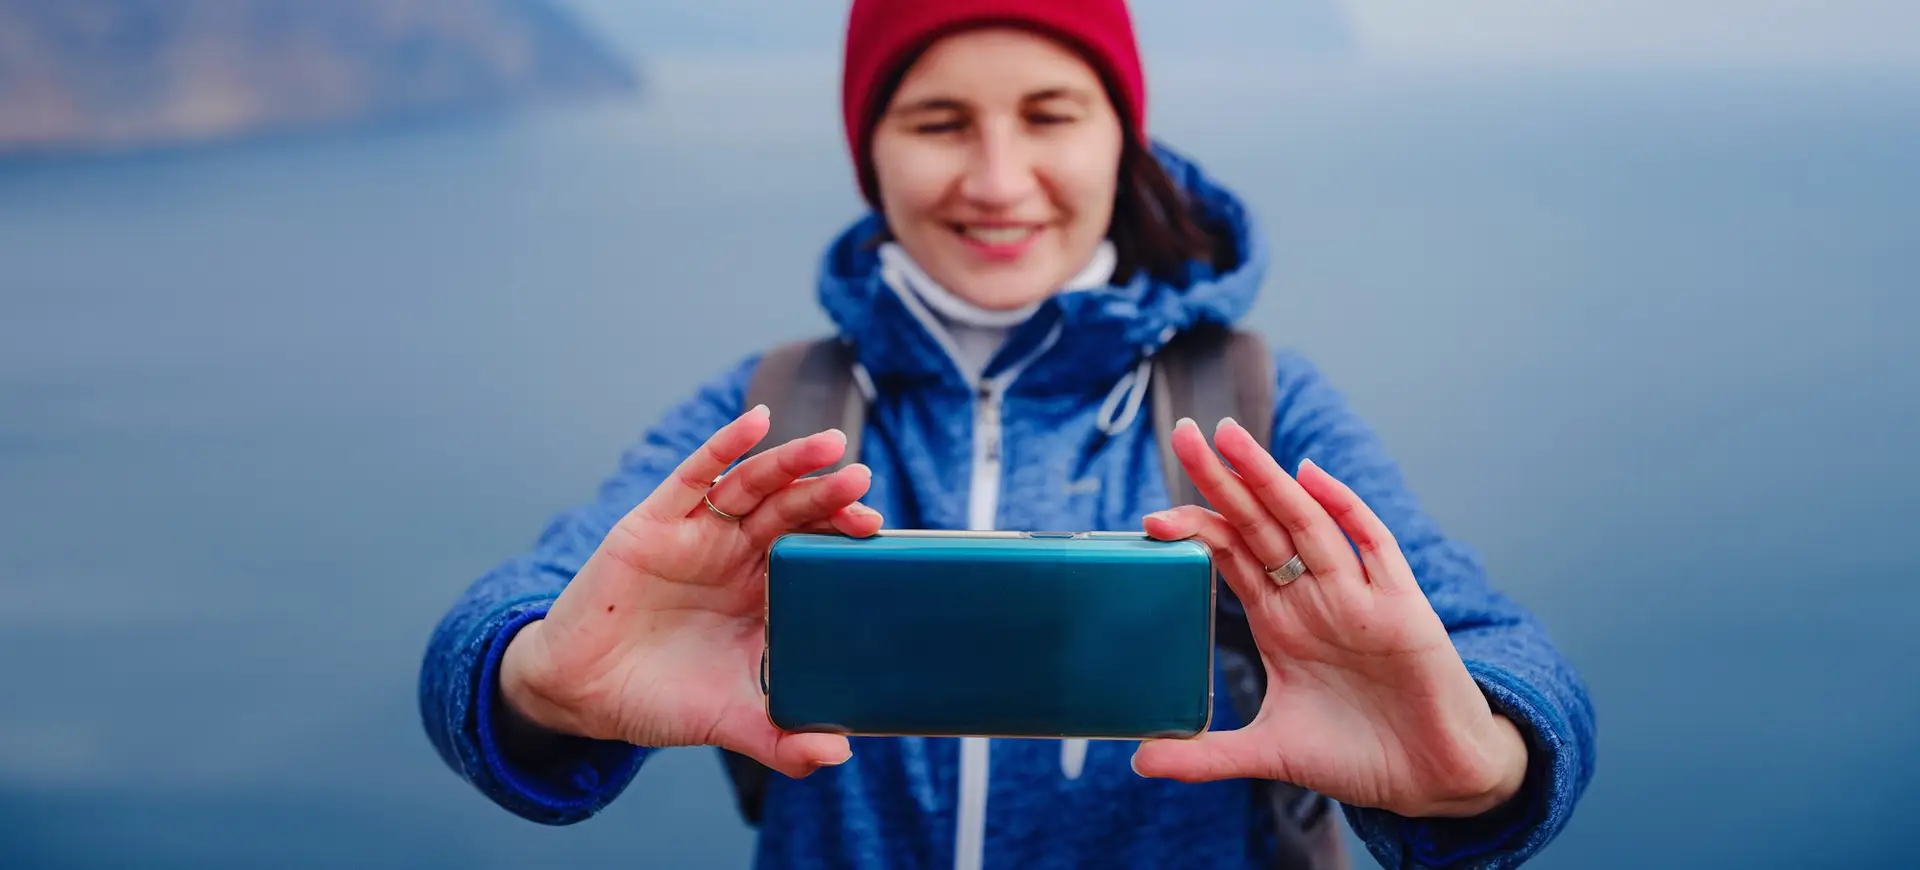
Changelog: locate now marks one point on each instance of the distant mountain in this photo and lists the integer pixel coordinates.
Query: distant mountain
(112, 74)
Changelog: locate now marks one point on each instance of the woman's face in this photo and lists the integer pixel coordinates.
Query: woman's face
(997, 161)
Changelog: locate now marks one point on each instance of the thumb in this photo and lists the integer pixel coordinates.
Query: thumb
(799, 754)
(795, 754)
(1214, 755)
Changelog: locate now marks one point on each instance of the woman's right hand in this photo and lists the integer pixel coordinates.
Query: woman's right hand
(657, 639)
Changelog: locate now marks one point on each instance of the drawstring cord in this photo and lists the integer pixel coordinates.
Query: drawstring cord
(1123, 402)
(864, 381)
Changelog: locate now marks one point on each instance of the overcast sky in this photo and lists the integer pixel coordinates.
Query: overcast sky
(1642, 33)
(1629, 34)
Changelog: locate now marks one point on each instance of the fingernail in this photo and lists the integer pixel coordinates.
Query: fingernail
(1185, 421)
(759, 410)
(1224, 423)
(1134, 763)
(1306, 463)
(836, 433)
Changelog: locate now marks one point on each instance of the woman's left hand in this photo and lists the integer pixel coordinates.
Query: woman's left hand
(1367, 701)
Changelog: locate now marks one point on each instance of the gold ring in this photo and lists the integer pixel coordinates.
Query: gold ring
(708, 498)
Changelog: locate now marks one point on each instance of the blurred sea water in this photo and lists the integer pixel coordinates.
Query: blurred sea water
(1644, 340)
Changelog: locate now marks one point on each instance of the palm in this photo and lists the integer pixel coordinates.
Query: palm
(1367, 700)
(1337, 704)
(657, 639)
(677, 658)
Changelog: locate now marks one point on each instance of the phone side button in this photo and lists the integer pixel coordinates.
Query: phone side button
(764, 688)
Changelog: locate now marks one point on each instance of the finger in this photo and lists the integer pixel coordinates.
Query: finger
(682, 491)
(1230, 497)
(855, 521)
(808, 501)
(1307, 524)
(1385, 564)
(1215, 755)
(745, 487)
(1245, 576)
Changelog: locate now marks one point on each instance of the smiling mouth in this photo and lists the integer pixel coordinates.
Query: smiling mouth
(997, 235)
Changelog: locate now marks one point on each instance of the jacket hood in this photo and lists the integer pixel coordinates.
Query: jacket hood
(1076, 340)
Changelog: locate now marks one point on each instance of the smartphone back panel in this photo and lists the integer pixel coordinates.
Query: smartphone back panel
(1097, 635)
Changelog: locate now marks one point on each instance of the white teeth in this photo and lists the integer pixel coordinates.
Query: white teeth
(998, 235)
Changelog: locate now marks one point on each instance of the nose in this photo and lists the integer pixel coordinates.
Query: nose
(1000, 170)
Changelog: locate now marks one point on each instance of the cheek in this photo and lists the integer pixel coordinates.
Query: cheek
(1088, 189)
(1085, 176)
(913, 180)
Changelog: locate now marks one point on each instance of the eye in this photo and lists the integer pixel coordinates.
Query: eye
(1053, 112)
(937, 128)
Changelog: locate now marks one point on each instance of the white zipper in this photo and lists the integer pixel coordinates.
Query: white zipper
(970, 837)
(983, 501)
(983, 507)
(1073, 757)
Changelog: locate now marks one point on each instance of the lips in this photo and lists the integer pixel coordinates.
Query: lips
(1000, 242)
(998, 235)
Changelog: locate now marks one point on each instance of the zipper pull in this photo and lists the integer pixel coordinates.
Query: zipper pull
(990, 419)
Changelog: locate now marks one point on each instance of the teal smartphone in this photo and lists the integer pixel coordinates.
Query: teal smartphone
(996, 634)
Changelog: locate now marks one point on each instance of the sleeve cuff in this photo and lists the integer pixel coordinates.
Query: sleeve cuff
(561, 781)
(1503, 837)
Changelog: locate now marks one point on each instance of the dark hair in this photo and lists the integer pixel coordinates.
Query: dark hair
(1156, 228)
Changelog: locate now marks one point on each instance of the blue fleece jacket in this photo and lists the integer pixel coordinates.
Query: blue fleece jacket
(1070, 458)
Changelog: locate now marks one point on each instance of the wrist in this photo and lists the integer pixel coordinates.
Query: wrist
(1503, 762)
(526, 701)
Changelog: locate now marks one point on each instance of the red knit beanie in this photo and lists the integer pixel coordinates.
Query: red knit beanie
(884, 34)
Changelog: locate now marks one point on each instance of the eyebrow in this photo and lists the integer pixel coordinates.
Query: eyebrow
(1058, 93)
(931, 104)
(950, 104)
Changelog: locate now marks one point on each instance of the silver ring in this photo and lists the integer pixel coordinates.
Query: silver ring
(708, 498)
(1287, 573)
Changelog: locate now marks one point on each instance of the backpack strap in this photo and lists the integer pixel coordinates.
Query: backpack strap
(1208, 373)
(808, 386)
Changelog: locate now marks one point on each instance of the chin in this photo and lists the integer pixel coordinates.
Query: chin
(1002, 293)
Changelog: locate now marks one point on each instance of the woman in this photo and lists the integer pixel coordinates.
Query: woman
(1030, 246)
